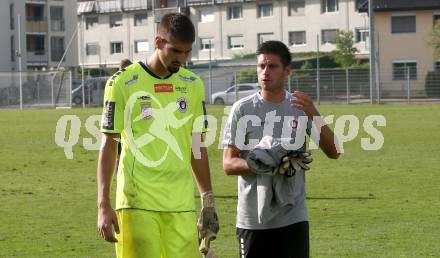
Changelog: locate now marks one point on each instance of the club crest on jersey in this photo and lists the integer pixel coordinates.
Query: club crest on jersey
(163, 87)
(146, 110)
(293, 123)
(182, 104)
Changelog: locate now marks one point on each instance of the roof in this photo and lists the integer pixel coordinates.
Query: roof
(401, 5)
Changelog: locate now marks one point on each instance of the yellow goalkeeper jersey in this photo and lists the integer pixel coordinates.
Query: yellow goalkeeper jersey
(155, 117)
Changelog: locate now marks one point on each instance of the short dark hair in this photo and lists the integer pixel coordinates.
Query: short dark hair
(278, 48)
(176, 26)
(124, 63)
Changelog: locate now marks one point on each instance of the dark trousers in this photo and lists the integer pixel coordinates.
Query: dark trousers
(287, 242)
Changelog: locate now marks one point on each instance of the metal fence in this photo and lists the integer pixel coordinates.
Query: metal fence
(58, 89)
(337, 85)
(35, 89)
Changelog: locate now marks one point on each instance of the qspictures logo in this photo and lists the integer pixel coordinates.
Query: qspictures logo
(163, 119)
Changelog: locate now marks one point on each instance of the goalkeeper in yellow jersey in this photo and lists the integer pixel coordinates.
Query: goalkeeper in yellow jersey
(157, 110)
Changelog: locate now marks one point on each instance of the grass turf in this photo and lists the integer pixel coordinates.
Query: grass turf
(366, 204)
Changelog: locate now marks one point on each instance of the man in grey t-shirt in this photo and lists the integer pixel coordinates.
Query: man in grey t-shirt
(279, 114)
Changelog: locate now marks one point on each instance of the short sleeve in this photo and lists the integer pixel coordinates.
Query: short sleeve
(200, 124)
(230, 130)
(113, 111)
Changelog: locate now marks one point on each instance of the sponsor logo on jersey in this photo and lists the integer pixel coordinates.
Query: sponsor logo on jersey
(182, 104)
(146, 110)
(187, 79)
(145, 97)
(109, 116)
(181, 89)
(132, 80)
(163, 87)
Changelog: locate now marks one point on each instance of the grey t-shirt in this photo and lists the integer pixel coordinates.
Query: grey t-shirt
(249, 120)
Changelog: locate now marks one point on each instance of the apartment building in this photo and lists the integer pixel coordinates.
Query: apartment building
(403, 33)
(234, 27)
(113, 30)
(46, 27)
(116, 29)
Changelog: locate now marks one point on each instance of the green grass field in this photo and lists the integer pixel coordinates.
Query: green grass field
(382, 203)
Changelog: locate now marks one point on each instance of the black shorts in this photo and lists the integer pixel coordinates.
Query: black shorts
(287, 242)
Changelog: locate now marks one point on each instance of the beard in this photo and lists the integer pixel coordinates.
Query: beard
(173, 69)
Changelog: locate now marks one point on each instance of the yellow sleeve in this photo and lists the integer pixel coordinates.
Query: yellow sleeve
(200, 124)
(113, 111)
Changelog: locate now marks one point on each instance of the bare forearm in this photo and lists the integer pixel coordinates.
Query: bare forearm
(106, 168)
(327, 142)
(201, 171)
(236, 167)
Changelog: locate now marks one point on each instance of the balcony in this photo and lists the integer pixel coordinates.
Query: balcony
(35, 1)
(158, 13)
(37, 58)
(199, 2)
(36, 25)
(164, 4)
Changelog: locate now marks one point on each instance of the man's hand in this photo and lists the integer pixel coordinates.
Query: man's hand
(107, 219)
(295, 162)
(207, 224)
(304, 102)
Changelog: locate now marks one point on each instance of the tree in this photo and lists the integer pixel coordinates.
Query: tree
(248, 75)
(345, 52)
(435, 38)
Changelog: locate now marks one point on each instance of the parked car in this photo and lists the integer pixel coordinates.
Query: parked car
(228, 96)
(94, 90)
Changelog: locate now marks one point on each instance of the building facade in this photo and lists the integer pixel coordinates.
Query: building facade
(116, 29)
(237, 27)
(44, 29)
(405, 55)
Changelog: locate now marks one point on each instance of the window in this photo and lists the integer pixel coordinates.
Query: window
(141, 46)
(235, 12)
(263, 37)
(297, 38)
(35, 12)
(206, 15)
(91, 49)
(56, 48)
(358, 4)
(296, 7)
(245, 88)
(12, 49)
(140, 19)
(401, 68)
(265, 10)
(328, 36)
(115, 47)
(403, 24)
(206, 43)
(361, 35)
(437, 65)
(11, 16)
(91, 22)
(36, 44)
(436, 18)
(235, 42)
(57, 18)
(329, 6)
(115, 21)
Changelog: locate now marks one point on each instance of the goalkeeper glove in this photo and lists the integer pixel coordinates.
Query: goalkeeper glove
(207, 224)
(295, 162)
